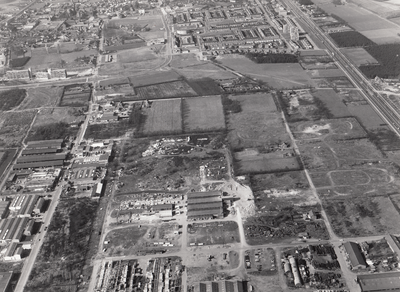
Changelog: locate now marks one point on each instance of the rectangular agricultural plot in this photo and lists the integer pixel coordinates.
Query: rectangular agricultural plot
(213, 233)
(260, 164)
(362, 216)
(367, 116)
(164, 117)
(258, 125)
(332, 101)
(359, 56)
(310, 62)
(166, 90)
(333, 82)
(203, 114)
(41, 97)
(76, 95)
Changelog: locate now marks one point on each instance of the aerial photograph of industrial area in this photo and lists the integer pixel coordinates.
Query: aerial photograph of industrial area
(199, 145)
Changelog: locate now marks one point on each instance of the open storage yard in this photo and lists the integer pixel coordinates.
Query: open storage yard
(285, 225)
(362, 216)
(139, 238)
(214, 233)
(164, 117)
(203, 114)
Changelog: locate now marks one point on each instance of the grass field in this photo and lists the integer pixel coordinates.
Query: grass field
(278, 76)
(10, 99)
(123, 241)
(203, 114)
(165, 90)
(332, 101)
(367, 116)
(325, 73)
(205, 86)
(41, 97)
(185, 60)
(136, 55)
(207, 70)
(163, 118)
(333, 82)
(54, 115)
(257, 125)
(359, 56)
(154, 78)
(362, 216)
(14, 126)
(213, 233)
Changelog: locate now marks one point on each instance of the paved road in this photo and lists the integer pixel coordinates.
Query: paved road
(28, 265)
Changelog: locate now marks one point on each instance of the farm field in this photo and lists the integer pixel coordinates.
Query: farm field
(130, 69)
(76, 95)
(367, 116)
(259, 164)
(325, 73)
(258, 125)
(205, 86)
(203, 114)
(107, 131)
(186, 60)
(332, 101)
(278, 76)
(385, 9)
(10, 99)
(41, 97)
(163, 118)
(165, 90)
(362, 216)
(317, 61)
(346, 39)
(359, 56)
(333, 82)
(383, 36)
(154, 78)
(136, 55)
(214, 233)
(14, 126)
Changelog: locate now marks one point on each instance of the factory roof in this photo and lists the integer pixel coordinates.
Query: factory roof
(5, 278)
(207, 212)
(38, 151)
(40, 158)
(51, 163)
(379, 282)
(203, 194)
(203, 200)
(355, 255)
(211, 205)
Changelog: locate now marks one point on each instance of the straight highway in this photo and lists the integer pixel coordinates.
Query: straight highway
(381, 105)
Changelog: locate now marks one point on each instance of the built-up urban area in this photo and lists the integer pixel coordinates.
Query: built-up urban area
(203, 146)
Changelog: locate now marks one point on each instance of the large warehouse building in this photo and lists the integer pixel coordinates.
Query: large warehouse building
(379, 282)
(204, 205)
(355, 256)
(39, 161)
(222, 286)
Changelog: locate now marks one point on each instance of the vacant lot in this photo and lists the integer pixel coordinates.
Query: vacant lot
(163, 118)
(136, 55)
(333, 82)
(123, 241)
(258, 125)
(205, 86)
(338, 129)
(14, 126)
(154, 78)
(165, 90)
(278, 76)
(317, 61)
(41, 97)
(203, 114)
(76, 95)
(10, 99)
(152, 22)
(362, 216)
(332, 101)
(367, 116)
(213, 233)
(359, 56)
(204, 70)
(107, 131)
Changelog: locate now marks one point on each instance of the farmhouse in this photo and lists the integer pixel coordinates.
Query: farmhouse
(201, 205)
(355, 256)
(379, 282)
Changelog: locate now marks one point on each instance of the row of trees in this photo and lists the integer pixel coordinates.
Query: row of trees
(261, 58)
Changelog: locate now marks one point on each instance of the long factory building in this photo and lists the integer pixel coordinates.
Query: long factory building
(204, 205)
(38, 161)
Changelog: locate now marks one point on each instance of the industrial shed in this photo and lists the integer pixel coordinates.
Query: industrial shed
(162, 207)
(39, 151)
(355, 256)
(52, 163)
(379, 282)
(41, 158)
(204, 205)
(221, 286)
(4, 208)
(45, 144)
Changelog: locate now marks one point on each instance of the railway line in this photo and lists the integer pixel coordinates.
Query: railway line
(381, 105)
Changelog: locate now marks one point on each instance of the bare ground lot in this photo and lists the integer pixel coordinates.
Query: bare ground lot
(325, 73)
(154, 78)
(362, 216)
(257, 125)
(41, 97)
(359, 56)
(261, 164)
(163, 118)
(213, 233)
(55, 115)
(204, 70)
(203, 114)
(278, 76)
